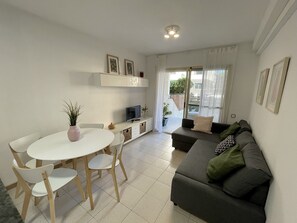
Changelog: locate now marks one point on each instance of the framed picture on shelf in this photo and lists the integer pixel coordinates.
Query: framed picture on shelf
(262, 86)
(113, 64)
(277, 83)
(129, 67)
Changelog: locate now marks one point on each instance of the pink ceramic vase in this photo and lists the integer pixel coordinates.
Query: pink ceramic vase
(73, 133)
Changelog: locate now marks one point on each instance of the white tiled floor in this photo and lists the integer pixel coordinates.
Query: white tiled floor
(150, 162)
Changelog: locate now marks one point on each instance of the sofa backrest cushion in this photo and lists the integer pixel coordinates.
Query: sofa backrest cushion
(254, 174)
(231, 130)
(244, 126)
(215, 128)
(188, 123)
(244, 138)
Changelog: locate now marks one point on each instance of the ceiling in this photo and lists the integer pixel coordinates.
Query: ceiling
(139, 24)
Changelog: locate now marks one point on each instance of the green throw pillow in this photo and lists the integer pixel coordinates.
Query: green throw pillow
(230, 130)
(222, 165)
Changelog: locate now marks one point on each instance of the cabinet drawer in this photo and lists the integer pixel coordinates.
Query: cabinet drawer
(127, 134)
(142, 127)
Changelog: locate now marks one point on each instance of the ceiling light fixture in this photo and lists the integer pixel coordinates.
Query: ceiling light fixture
(172, 31)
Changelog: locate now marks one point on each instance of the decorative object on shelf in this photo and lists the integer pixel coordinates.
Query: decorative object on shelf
(165, 113)
(141, 74)
(262, 86)
(144, 110)
(73, 111)
(113, 64)
(129, 67)
(111, 126)
(172, 31)
(277, 83)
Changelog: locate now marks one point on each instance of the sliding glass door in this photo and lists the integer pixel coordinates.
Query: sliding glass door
(196, 91)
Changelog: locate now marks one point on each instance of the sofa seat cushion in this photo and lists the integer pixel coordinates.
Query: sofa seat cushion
(195, 163)
(186, 135)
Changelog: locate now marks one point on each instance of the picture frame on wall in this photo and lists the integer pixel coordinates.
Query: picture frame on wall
(113, 64)
(277, 83)
(129, 67)
(262, 86)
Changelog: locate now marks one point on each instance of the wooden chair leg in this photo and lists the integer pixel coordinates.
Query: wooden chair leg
(114, 178)
(89, 183)
(17, 190)
(63, 163)
(74, 163)
(123, 169)
(36, 201)
(100, 173)
(52, 209)
(26, 205)
(79, 187)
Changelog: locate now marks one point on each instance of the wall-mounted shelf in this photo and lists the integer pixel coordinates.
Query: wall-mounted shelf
(114, 80)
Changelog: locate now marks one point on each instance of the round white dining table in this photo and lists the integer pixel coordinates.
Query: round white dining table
(58, 147)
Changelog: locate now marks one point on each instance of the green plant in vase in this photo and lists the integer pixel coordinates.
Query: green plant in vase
(166, 112)
(144, 110)
(73, 111)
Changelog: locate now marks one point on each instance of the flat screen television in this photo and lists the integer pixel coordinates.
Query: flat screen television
(133, 113)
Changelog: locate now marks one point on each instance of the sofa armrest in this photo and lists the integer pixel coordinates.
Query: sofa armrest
(218, 127)
(187, 123)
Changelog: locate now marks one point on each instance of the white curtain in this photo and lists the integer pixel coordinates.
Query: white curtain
(161, 91)
(217, 82)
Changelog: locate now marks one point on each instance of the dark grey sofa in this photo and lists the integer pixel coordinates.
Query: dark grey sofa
(215, 202)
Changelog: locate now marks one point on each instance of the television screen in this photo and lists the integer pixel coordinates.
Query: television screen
(133, 112)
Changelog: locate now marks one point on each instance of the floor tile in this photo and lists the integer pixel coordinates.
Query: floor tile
(130, 196)
(149, 208)
(134, 218)
(160, 191)
(170, 215)
(153, 172)
(166, 178)
(114, 212)
(142, 182)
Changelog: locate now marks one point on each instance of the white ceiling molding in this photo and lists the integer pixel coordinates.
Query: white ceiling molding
(275, 18)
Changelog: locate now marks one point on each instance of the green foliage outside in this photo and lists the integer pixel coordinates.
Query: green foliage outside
(178, 86)
(166, 110)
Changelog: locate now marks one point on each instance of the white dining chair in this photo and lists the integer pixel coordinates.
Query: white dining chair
(87, 125)
(44, 181)
(19, 148)
(109, 162)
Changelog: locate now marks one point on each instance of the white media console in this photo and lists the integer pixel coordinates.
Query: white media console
(133, 130)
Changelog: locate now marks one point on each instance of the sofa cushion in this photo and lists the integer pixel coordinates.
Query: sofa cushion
(244, 138)
(254, 174)
(231, 130)
(225, 144)
(222, 165)
(195, 163)
(186, 135)
(244, 126)
(203, 124)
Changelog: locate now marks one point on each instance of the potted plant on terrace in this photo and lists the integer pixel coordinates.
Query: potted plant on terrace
(73, 111)
(165, 113)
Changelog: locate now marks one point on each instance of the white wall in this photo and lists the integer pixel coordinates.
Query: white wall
(276, 134)
(243, 82)
(43, 64)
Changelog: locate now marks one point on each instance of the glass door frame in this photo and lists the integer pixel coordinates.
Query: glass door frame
(188, 87)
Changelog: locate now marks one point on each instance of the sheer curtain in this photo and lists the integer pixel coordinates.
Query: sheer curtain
(217, 82)
(161, 91)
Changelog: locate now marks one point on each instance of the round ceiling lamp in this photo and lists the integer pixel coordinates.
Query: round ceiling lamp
(172, 31)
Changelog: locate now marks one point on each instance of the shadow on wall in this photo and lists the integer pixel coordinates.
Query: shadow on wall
(81, 78)
(118, 115)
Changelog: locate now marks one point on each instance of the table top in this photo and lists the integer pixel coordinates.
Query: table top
(58, 147)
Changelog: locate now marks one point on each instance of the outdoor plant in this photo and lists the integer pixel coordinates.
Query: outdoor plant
(178, 86)
(166, 110)
(73, 111)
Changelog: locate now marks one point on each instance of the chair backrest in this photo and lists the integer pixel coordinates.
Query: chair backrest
(19, 148)
(33, 175)
(91, 125)
(116, 146)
